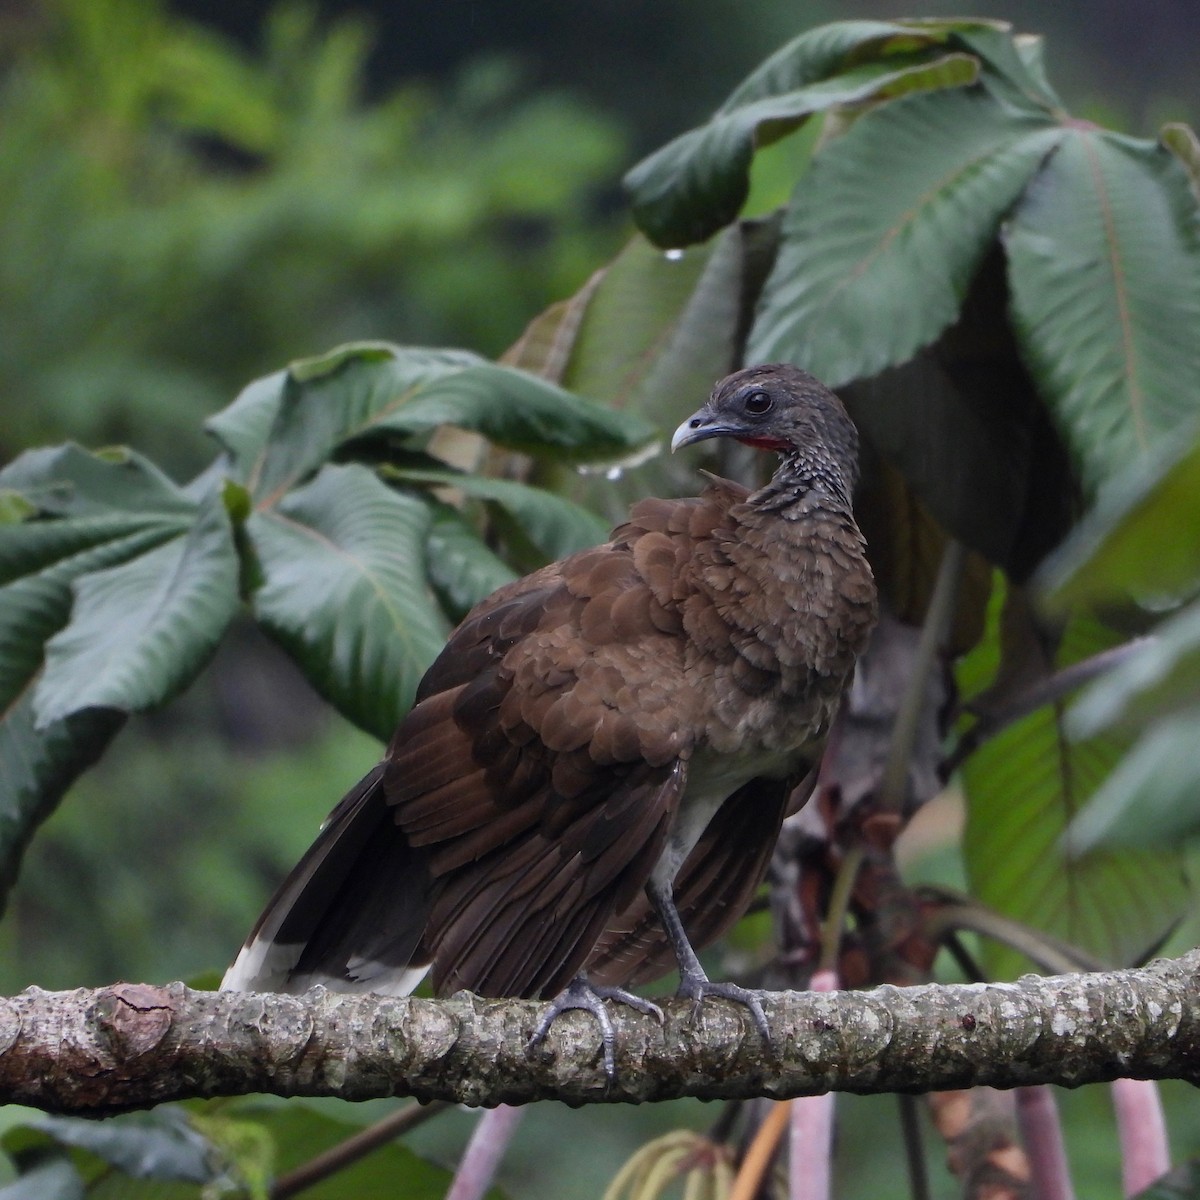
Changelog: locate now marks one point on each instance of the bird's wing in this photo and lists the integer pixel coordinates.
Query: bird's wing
(540, 771)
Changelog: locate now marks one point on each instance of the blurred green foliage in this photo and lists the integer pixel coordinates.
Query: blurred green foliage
(177, 216)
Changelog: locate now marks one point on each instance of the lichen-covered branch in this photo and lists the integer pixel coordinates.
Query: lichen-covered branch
(131, 1045)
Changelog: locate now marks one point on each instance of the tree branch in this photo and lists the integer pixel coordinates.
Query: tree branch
(133, 1045)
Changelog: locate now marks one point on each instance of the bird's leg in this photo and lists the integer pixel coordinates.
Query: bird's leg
(590, 997)
(693, 981)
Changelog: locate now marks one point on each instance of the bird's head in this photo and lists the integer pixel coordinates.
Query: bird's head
(781, 408)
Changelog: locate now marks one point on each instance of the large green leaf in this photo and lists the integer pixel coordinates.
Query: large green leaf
(368, 391)
(68, 481)
(963, 424)
(140, 631)
(888, 227)
(152, 1145)
(93, 513)
(1104, 255)
(1153, 796)
(556, 527)
(1024, 787)
(344, 589)
(461, 568)
(698, 183)
(1140, 538)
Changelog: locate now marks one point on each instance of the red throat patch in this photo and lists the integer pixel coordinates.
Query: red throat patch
(765, 443)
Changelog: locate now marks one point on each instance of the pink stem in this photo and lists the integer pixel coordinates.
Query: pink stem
(810, 1144)
(491, 1139)
(1041, 1134)
(1145, 1154)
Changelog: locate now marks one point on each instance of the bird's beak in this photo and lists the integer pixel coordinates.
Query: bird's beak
(700, 426)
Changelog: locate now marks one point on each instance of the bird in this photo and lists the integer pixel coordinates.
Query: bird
(595, 769)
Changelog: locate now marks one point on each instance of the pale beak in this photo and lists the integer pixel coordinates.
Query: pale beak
(699, 427)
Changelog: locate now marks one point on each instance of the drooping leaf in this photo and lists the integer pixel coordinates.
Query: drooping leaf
(118, 512)
(962, 423)
(50, 1179)
(1152, 797)
(461, 568)
(153, 1145)
(1104, 254)
(1024, 786)
(372, 390)
(1161, 677)
(344, 590)
(698, 183)
(1140, 538)
(556, 526)
(68, 481)
(140, 631)
(867, 274)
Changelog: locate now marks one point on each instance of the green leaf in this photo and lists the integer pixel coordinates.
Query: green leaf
(242, 429)
(1104, 255)
(344, 590)
(868, 273)
(1162, 676)
(300, 1133)
(1140, 538)
(39, 560)
(141, 630)
(154, 1145)
(1024, 787)
(649, 335)
(51, 1179)
(68, 481)
(557, 527)
(699, 182)
(1152, 797)
(461, 568)
(370, 391)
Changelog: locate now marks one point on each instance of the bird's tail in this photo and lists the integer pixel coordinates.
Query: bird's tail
(350, 915)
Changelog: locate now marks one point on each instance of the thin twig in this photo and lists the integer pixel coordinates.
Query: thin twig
(344, 1154)
(839, 906)
(914, 1148)
(1050, 954)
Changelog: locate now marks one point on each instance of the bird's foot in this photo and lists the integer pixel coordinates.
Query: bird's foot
(590, 997)
(698, 987)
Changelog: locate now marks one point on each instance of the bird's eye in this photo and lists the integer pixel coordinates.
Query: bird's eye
(757, 403)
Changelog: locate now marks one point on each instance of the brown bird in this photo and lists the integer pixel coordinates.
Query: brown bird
(595, 770)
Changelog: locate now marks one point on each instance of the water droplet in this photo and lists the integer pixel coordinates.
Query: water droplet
(673, 255)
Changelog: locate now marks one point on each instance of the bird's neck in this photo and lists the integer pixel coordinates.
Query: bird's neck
(804, 481)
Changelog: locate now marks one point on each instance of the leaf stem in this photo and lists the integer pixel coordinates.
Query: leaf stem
(346, 1153)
